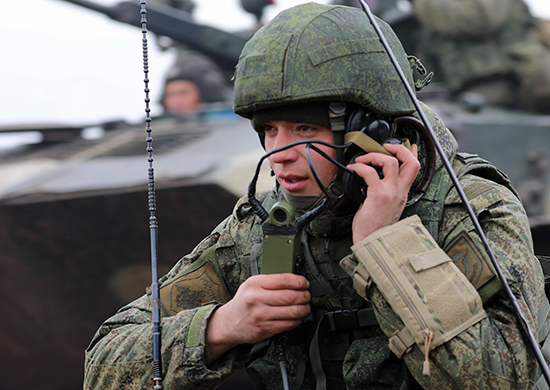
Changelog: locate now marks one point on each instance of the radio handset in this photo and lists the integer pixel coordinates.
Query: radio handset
(280, 241)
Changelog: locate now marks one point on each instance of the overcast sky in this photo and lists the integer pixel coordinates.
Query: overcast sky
(62, 63)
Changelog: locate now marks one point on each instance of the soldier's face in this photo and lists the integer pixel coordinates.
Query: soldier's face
(291, 166)
(181, 97)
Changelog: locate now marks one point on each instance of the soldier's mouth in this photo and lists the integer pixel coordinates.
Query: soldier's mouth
(292, 183)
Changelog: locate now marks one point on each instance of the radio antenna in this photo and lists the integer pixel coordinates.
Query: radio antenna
(153, 226)
(524, 325)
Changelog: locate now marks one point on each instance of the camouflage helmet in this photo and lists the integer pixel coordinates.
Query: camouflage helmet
(315, 52)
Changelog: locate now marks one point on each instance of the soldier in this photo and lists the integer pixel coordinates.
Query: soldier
(190, 82)
(319, 73)
(489, 47)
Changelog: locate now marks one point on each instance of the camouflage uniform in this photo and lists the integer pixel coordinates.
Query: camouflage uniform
(489, 354)
(487, 47)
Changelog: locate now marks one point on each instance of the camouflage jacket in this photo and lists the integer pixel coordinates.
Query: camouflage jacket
(490, 354)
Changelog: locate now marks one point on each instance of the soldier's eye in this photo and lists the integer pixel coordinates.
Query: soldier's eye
(268, 129)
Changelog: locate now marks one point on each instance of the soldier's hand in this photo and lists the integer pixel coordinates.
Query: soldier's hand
(263, 306)
(387, 197)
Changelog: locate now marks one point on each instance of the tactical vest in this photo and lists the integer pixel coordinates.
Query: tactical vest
(330, 344)
(318, 351)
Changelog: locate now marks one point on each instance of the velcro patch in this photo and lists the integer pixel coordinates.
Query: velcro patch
(426, 260)
(194, 289)
(469, 260)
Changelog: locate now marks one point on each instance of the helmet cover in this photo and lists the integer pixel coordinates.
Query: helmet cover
(315, 52)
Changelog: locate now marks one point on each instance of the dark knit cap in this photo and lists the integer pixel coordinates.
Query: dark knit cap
(315, 113)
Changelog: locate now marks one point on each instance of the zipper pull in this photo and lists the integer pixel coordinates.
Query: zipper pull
(428, 336)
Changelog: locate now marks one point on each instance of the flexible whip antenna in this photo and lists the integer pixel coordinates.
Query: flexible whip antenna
(153, 226)
(524, 325)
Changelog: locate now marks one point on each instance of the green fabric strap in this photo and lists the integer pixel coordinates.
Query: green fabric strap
(365, 142)
(194, 332)
(337, 112)
(368, 144)
(315, 358)
(300, 372)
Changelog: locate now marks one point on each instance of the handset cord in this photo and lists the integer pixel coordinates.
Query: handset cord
(153, 225)
(280, 352)
(260, 211)
(525, 326)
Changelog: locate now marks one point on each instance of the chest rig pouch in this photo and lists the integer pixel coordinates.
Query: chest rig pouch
(433, 298)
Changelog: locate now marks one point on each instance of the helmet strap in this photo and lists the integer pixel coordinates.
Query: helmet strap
(337, 116)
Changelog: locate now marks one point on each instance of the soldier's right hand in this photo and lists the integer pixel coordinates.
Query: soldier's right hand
(264, 305)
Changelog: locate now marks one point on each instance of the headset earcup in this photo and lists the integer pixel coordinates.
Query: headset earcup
(356, 120)
(376, 127)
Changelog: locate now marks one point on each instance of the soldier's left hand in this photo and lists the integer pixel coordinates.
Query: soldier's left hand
(387, 197)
